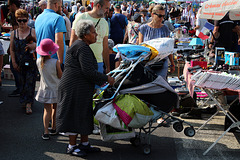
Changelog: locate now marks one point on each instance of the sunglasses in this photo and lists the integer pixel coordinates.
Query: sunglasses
(159, 15)
(22, 20)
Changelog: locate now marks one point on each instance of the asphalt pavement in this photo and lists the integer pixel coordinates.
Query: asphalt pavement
(20, 138)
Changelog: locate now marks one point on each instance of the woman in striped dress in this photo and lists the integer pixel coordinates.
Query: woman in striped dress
(75, 111)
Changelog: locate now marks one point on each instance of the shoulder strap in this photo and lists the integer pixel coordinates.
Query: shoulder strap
(15, 33)
(97, 22)
(30, 34)
(134, 30)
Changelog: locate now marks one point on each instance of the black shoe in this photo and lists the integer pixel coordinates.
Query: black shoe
(70, 150)
(45, 137)
(15, 93)
(190, 116)
(210, 110)
(81, 153)
(88, 148)
(52, 131)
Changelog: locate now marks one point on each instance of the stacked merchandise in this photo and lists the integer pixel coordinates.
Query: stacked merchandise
(217, 80)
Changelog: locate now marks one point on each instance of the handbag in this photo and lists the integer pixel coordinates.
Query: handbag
(26, 62)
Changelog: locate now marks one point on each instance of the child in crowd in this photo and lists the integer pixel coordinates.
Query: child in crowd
(51, 73)
(114, 63)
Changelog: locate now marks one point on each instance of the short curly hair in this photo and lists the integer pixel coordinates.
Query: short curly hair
(21, 13)
(83, 28)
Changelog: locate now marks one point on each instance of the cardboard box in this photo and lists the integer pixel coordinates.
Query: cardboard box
(232, 58)
(7, 72)
(202, 64)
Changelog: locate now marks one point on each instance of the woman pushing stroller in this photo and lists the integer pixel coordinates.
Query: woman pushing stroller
(75, 111)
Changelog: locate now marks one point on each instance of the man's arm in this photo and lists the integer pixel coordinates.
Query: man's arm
(215, 34)
(237, 29)
(59, 42)
(73, 37)
(125, 39)
(105, 54)
(196, 27)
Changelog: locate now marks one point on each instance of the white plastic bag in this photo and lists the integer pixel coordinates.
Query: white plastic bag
(139, 120)
(164, 46)
(108, 115)
(109, 133)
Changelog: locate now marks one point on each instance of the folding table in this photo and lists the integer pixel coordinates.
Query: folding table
(213, 93)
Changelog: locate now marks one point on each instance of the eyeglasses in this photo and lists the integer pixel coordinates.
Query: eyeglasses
(159, 15)
(22, 20)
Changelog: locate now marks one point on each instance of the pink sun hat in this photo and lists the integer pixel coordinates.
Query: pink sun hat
(47, 47)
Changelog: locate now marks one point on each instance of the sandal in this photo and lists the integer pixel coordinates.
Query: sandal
(28, 110)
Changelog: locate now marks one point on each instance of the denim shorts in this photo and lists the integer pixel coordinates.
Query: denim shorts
(100, 69)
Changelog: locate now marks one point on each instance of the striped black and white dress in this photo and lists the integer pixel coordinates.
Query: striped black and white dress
(75, 111)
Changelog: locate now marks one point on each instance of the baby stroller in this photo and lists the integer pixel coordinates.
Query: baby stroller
(132, 77)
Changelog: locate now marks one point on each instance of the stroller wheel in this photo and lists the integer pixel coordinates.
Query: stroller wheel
(178, 127)
(136, 141)
(147, 149)
(189, 131)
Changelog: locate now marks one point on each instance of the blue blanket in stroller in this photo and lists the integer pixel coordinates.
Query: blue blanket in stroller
(131, 51)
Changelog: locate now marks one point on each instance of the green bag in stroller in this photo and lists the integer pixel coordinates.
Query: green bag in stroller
(133, 112)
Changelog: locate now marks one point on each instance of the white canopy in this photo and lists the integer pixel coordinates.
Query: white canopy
(217, 9)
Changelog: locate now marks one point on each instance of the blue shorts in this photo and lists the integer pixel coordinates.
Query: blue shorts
(100, 69)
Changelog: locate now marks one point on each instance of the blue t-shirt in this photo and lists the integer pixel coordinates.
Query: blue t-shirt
(118, 25)
(47, 25)
(152, 33)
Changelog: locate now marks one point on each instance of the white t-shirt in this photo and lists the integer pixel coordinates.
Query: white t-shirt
(102, 31)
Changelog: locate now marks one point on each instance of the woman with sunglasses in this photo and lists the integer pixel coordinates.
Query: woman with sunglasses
(22, 46)
(156, 29)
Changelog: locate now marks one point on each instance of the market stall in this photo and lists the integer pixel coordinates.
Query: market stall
(216, 85)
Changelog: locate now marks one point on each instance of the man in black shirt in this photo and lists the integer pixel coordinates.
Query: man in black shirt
(223, 32)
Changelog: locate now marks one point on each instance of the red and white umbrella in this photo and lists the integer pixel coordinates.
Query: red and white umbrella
(217, 9)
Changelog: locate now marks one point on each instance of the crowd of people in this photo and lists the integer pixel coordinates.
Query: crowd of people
(74, 46)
